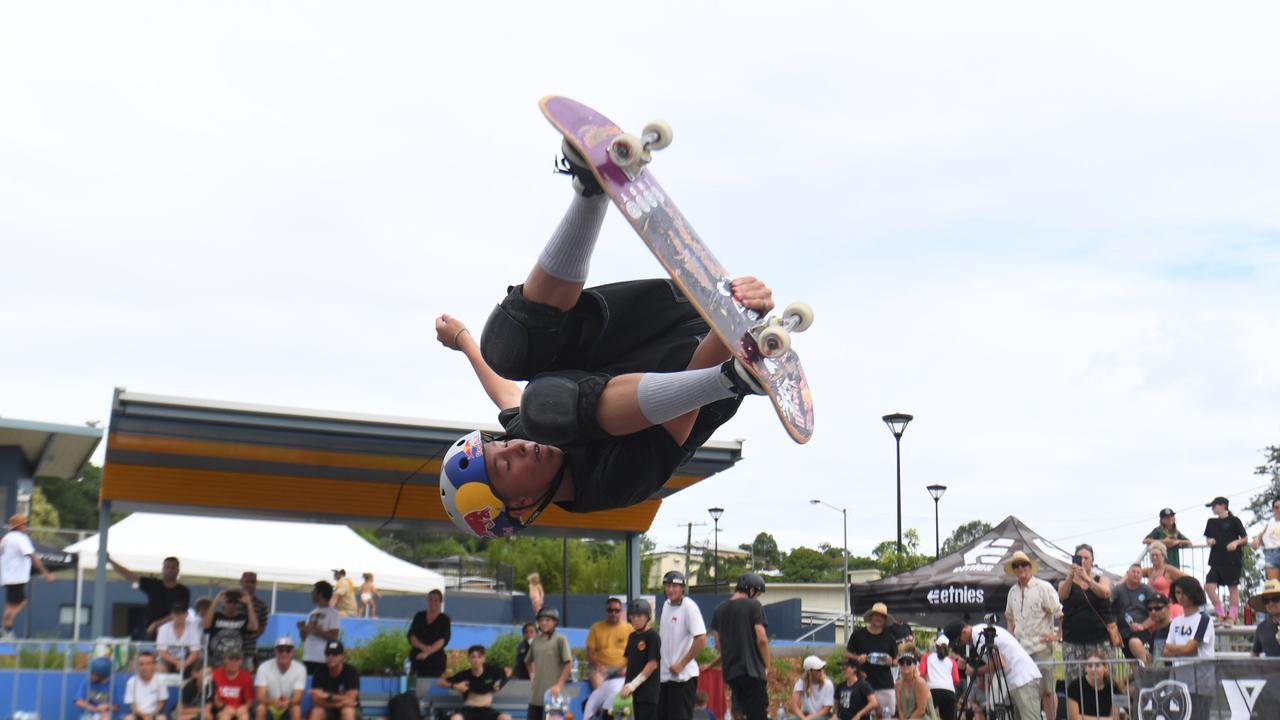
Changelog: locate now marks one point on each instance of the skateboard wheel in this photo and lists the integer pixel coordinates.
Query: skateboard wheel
(657, 134)
(626, 150)
(774, 341)
(800, 314)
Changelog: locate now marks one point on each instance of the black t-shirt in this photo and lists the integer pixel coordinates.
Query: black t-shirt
(521, 671)
(489, 680)
(864, 642)
(851, 699)
(617, 472)
(228, 631)
(735, 624)
(1264, 639)
(160, 599)
(1094, 701)
(1159, 637)
(348, 679)
(1084, 616)
(427, 633)
(1223, 531)
(643, 646)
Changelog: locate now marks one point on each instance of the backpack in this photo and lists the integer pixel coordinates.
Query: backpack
(403, 707)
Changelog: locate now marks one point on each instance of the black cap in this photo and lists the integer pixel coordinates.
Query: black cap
(953, 630)
(1219, 501)
(334, 647)
(1167, 512)
(673, 577)
(1157, 599)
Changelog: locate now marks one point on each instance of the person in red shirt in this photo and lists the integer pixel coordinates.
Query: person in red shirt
(232, 689)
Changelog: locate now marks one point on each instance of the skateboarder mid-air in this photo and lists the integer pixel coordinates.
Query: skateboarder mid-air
(625, 383)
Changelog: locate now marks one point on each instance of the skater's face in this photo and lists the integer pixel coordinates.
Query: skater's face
(547, 624)
(639, 621)
(674, 592)
(521, 472)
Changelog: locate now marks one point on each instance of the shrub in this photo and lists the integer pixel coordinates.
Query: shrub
(503, 650)
(383, 654)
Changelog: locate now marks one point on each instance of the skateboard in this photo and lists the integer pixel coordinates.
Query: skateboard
(763, 344)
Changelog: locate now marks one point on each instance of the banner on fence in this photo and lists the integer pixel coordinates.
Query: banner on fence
(1234, 689)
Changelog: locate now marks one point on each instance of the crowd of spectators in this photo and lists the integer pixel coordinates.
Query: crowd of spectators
(1157, 612)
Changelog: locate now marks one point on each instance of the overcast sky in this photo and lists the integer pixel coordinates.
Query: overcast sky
(1052, 233)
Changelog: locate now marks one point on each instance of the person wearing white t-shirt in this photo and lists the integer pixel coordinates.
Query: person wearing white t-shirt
(1269, 541)
(1021, 673)
(17, 555)
(1190, 644)
(179, 641)
(683, 634)
(279, 684)
(814, 695)
(319, 629)
(145, 694)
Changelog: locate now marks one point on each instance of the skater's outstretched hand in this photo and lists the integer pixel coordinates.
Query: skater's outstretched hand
(753, 293)
(449, 331)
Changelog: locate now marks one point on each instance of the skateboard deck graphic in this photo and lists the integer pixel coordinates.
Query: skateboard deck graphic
(687, 260)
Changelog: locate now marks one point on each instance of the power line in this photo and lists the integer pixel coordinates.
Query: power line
(1146, 520)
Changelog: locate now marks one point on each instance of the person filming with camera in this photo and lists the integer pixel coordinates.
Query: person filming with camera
(1021, 674)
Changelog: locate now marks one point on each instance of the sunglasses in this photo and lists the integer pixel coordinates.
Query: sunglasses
(282, 650)
(332, 654)
(1020, 565)
(1156, 608)
(906, 661)
(1268, 601)
(613, 610)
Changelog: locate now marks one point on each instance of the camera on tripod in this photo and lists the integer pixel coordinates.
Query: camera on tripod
(997, 702)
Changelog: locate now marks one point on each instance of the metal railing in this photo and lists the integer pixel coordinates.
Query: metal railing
(44, 676)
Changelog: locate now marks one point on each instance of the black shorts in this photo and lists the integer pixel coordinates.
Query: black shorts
(1228, 575)
(626, 327)
(751, 696)
(476, 713)
(14, 594)
(676, 700)
(313, 667)
(534, 712)
(1143, 635)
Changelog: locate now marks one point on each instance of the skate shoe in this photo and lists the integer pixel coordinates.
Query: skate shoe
(738, 380)
(571, 163)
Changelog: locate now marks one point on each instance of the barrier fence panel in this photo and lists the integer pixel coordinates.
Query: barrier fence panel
(44, 678)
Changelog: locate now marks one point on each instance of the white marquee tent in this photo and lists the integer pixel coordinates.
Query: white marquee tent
(286, 553)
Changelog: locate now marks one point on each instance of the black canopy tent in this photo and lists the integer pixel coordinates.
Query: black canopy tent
(969, 583)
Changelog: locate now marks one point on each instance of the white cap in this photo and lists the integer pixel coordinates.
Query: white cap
(942, 640)
(813, 662)
(284, 640)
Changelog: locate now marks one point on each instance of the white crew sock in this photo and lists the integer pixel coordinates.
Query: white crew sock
(665, 396)
(568, 253)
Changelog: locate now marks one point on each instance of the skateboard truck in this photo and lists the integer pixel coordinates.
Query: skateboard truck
(631, 153)
(773, 336)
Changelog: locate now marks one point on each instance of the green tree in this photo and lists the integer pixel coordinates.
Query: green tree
(75, 500)
(805, 564)
(43, 513)
(1260, 504)
(764, 549)
(891, 562)
(964, 535)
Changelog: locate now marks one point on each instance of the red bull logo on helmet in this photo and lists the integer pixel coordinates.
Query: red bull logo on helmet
(480, 521)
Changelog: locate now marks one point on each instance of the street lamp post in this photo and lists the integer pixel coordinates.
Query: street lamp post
(935, 492)
(897, 423)
(845, 513)
(716, 512)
